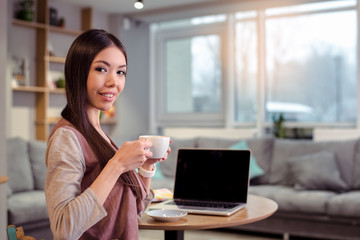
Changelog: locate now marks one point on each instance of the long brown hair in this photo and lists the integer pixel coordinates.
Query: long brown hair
(77, 66)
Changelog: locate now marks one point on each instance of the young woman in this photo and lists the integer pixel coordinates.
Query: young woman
(92, 189)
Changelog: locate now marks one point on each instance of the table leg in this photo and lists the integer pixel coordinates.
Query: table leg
(174, 235)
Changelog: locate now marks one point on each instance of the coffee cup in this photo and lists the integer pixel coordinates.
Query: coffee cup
(160, 145)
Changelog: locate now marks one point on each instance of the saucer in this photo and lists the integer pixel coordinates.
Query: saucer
(166, 215)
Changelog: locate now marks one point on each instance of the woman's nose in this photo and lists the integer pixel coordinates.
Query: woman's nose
(111, 80)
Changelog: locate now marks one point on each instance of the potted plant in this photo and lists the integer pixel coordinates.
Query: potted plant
(278, 126)
(61, 22)
(26, 11)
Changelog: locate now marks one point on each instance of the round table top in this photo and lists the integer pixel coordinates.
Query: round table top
(256, 209)
(3, 179)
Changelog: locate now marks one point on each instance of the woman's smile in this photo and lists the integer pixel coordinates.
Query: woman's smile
(108, 96)
(106, 79)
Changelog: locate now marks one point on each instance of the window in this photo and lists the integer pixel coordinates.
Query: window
(192, 76)
(311, 61)
(298, 60)
(246, 70)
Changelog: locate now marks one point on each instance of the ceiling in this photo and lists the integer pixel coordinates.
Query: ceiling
(126, 7)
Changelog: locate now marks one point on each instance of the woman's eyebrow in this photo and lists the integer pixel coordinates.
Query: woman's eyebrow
(104, 62)
(108, 64)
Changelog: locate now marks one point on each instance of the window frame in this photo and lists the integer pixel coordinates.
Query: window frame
(290, 124)
(186, 119)
(159, 119)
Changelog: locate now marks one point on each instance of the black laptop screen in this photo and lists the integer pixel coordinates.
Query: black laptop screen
(212, 175)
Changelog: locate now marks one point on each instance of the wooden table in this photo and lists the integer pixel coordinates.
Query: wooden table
(3, 179)
(257, 208)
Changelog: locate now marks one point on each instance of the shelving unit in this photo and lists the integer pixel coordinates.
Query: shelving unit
(43, 59)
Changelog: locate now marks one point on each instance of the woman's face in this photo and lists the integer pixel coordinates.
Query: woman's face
(106, 78)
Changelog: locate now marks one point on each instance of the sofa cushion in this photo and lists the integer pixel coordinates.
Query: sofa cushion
(26, 207)
(289, 199)
(284, 149)
(317, 171)
(37, 151)
(345, 204)
(18, 165)
(356, 169)
(158, 172)
(261, 149)
(168, 167)
(255, 169)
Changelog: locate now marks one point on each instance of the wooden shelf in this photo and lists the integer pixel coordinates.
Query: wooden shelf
(41, 90)
(57, 90)
(61, 30)
(30, 89)
(64, 30)
(3, 179)
(55, 59)
(23, 23)
(34, 89)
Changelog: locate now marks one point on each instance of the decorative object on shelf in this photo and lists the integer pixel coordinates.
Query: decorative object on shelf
(109, 114)
(278, 126)
(56, 79)
(19, 72)
(50, 48)
(60, 83)
(61, 22)
(54, 19)
(26, 11)
(53, 16)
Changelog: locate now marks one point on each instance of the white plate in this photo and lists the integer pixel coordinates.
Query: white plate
(167, 215)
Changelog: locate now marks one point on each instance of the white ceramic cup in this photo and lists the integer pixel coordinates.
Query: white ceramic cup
(160, 145)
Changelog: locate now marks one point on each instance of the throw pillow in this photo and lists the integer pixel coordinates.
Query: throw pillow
(158, 173)
(255, 169)
(317, 171)
(18, 165)
(37, 150)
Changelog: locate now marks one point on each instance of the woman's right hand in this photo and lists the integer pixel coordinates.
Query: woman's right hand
(132, 155)
(129, 156)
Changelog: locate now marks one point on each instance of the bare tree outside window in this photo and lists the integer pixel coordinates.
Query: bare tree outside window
(311, 61)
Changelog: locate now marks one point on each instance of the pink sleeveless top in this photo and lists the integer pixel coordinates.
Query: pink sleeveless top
(121, 206)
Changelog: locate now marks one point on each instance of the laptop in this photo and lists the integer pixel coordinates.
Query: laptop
(210, 181)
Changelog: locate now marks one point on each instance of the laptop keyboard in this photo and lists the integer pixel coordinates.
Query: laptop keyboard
(203, 204)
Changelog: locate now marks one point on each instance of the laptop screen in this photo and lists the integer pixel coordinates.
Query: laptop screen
(212, 175)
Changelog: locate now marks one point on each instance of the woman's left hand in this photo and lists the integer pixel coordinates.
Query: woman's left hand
(150, 161)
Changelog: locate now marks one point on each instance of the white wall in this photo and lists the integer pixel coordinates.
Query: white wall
(21, 43)
(133, 104)
(3, 107)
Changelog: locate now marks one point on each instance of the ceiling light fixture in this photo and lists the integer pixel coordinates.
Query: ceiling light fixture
(138, 4)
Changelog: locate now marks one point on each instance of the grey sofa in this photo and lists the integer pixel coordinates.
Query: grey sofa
(316, 184)
(26, 198)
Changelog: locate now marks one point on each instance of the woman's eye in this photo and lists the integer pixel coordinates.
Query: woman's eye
(100, 69)
(122, 73)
